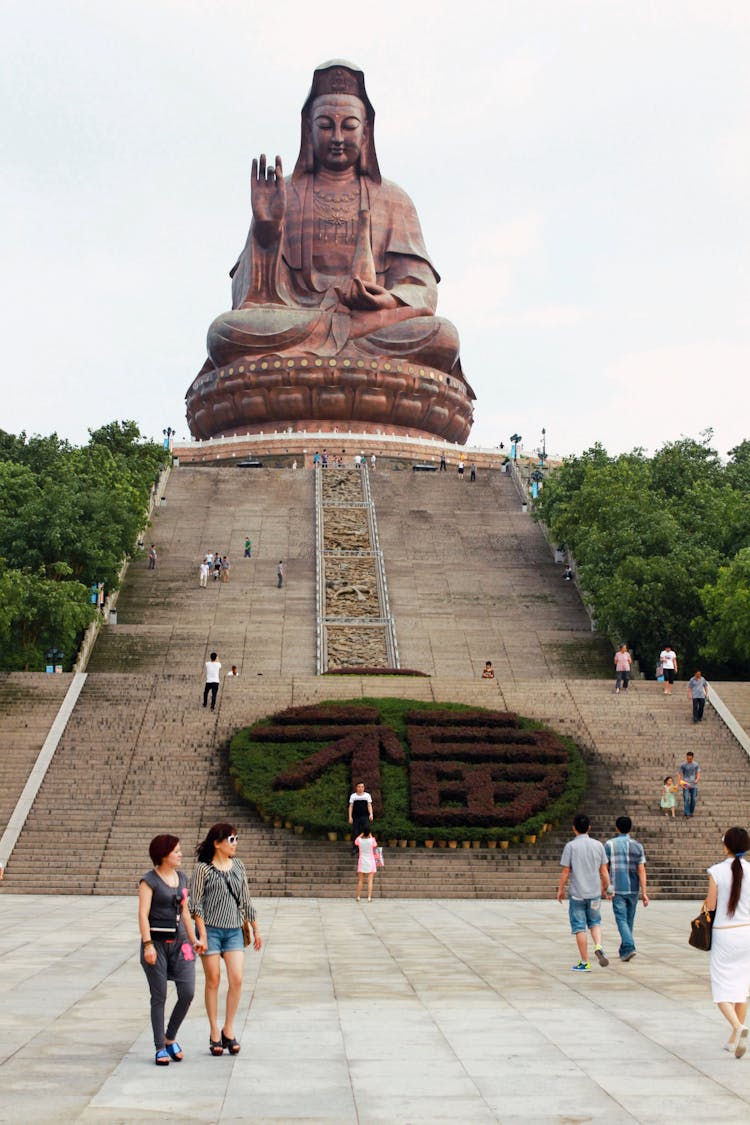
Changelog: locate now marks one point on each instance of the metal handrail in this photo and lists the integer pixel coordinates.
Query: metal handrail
(519, 482)
(434, 444)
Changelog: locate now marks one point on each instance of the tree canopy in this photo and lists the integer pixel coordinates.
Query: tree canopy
(69, 516)
(662, 548)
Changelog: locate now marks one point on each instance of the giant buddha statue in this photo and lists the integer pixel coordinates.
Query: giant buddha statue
(333, 323)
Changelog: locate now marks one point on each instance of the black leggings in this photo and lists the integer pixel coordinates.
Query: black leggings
(170, 965)
(360, 824)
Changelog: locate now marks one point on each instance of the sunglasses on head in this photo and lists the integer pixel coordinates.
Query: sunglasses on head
(232, 839)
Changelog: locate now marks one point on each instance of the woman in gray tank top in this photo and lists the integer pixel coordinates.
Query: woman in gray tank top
(168, 943)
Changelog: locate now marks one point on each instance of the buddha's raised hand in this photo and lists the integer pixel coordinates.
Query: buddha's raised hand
(268, 196)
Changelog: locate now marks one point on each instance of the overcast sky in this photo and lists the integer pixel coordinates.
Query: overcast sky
(581, 169)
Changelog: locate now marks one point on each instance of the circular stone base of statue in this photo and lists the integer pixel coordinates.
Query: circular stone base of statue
(278, 392)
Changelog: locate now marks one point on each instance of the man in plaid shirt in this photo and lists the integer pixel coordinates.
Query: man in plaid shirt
(627, 873)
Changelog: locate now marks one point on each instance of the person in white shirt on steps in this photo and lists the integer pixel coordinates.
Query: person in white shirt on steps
(213, 669)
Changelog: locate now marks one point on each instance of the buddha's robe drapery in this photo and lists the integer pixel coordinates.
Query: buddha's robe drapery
(283, 302)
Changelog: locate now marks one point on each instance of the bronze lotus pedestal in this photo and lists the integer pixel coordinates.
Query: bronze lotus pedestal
(276, 392)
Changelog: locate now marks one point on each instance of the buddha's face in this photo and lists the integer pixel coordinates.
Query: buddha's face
(339, 126)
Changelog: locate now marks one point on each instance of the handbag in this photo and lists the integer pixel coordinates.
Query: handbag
(700, 929)
(378, 853)
(247, 936)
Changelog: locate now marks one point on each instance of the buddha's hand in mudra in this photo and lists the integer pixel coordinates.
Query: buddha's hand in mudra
(268, 197)
(358, 294)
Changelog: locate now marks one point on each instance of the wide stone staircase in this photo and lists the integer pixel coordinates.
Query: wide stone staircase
(29, 702)
(632, 741)
(471, 578)
(167, 623)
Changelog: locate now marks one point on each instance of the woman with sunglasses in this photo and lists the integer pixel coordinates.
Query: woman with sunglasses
(220, 902)
(167, 943)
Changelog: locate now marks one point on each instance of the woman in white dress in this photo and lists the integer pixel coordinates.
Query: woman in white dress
(366, 865)
(729, 895)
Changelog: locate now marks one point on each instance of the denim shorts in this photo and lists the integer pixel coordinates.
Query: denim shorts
(224, 939)
(584, 913)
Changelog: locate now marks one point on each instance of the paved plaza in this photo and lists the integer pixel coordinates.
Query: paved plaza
(401, 1011)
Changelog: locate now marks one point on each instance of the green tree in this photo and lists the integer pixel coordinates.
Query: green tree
(142, 460)
(678, 465)
(40, 611)
(649, 536)
(68, 518)
(738, 467)
(40, 454)
(727, 606)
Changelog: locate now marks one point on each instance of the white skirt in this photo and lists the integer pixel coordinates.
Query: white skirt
(730, 964)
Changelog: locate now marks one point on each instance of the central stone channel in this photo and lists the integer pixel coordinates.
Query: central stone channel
(356, 630)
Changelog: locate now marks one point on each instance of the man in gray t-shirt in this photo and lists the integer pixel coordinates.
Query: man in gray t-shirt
(698, 694)
(690, 775)
(584, 863)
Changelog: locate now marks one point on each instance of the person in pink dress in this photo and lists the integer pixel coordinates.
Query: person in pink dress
(366, 843)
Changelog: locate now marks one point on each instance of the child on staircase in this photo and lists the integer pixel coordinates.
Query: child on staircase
(668, 800)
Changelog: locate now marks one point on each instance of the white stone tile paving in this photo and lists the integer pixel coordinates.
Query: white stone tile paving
(404, 1011)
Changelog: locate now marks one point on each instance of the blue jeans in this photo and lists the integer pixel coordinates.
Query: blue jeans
(583, 914)
(224, 939)
(688, 800)
(623, 908)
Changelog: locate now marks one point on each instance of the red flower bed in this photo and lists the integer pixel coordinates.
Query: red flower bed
(463, 718)
(487, 796)
(314, 713)
(323, 732)
(363, 748)
(481, 770)
(484, 744)
(472, 774)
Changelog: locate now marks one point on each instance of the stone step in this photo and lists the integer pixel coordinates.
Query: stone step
(140, 755)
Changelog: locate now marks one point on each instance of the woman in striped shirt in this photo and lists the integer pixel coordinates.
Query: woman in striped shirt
(219, 902)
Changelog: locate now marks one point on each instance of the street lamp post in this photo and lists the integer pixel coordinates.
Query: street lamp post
(169, 433)
(516, 440)
(543, 450)
(54, 658)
